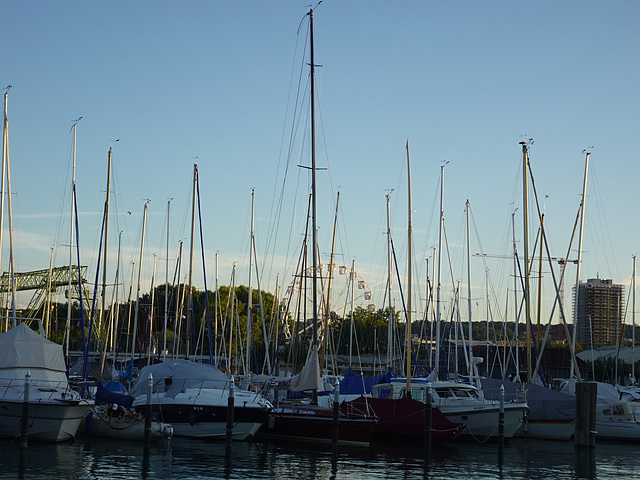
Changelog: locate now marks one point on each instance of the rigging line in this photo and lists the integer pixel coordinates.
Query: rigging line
(276, 210)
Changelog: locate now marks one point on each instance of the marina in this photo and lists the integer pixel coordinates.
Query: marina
(325, 340)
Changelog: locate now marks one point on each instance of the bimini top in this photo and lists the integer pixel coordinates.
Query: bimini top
(22, 349)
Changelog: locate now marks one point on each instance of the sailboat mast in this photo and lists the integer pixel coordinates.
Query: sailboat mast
(5, 148)
(73, 195)
(106, 237)
(515, 294)
(409, 261)
(633, 328)
(579, 262)
(193, 226)
(250, 298)
(469, 293)
(166, 288)
(439, 273)
(313, 189)
(314, 329)
(327, 310)
(12, 265)
(525, 202)
(389, 276)
(134, 332)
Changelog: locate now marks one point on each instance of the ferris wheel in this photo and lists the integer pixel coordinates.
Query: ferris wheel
(348, 291)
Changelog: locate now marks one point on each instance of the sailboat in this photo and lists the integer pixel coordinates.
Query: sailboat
(308, 420)
(35, 397)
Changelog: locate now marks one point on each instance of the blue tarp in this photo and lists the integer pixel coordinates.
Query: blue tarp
(353, 384)
(105, 396)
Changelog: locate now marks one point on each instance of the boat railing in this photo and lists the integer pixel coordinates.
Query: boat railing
(47, 389)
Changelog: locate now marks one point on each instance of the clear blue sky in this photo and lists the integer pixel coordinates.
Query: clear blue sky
(463, 81)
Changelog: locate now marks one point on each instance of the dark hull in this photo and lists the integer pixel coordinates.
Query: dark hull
(202, 421)
(403, 418)
(312, 423)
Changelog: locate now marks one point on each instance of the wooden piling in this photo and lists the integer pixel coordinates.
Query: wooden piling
(585, 429)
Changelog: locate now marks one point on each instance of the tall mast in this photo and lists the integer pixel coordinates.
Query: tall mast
(471, 365)
(327, 303)
(5, 149)
(193, 224)
(216, 308)
(313, 198)
(633, 328)
(515, 294)
(166, 288)
(135, 314)
(579, 263)
(439, 273)
(389, 277)
(250, 299)
(106, 237)
(527, 300)
(12, 266)
(73, 196)
(409, 261)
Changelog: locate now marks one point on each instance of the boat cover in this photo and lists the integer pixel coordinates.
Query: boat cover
(22, 349)
(543, 403)
(175, 376)
(105, 396)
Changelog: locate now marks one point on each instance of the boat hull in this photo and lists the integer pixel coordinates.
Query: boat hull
(403, 418)
(209, 421)
(547, 429)
(51, 421)
(315, 423)
(129, 427)
(482, 421)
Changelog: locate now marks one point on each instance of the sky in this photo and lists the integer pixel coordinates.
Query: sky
(225, 85)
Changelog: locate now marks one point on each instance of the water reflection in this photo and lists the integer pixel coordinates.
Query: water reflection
(184, 459)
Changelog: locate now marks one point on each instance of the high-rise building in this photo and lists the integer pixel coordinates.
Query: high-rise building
(600, 306)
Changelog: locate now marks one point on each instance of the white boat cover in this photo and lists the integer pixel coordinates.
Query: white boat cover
(628, 355)
(22, 349)
(176, 375)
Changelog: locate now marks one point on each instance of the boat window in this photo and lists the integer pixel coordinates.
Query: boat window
(461, 393)
(444, 392)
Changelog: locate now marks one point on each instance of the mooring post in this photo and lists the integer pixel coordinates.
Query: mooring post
(428, 422)
(335, 428)
(24, 426)
(147, 413)
(585, 429)
(230, 403)
(501, 419)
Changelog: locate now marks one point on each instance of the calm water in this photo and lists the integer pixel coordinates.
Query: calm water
(183, 459)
